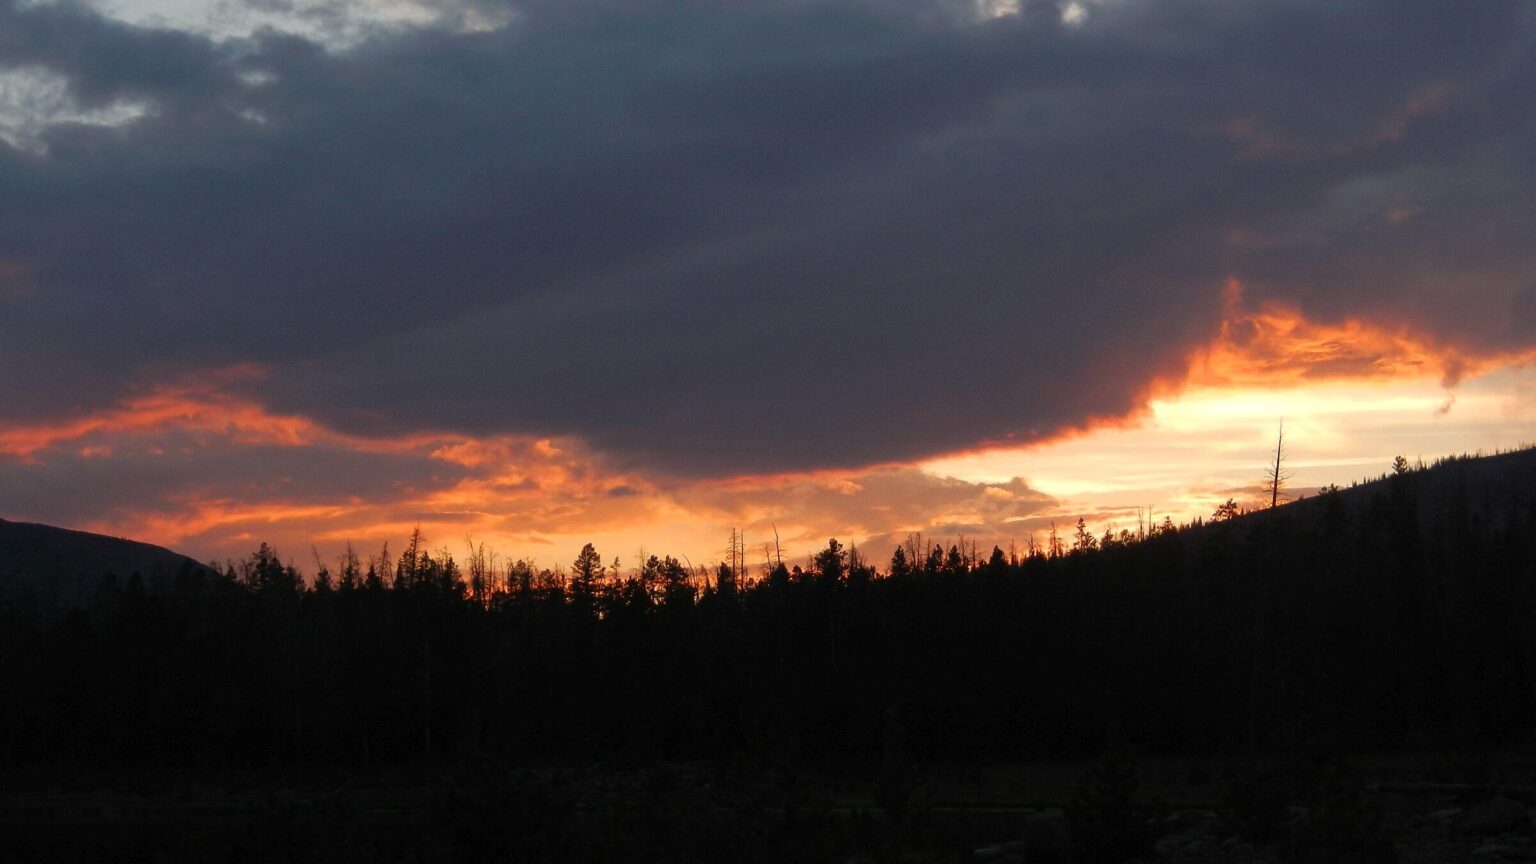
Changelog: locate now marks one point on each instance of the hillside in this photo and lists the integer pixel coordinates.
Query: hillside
(1488, 490)
(1487, 486)
(1390, 615)
(59, 568)
(1388, 621)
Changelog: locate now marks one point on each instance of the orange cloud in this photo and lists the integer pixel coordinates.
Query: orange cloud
(234, 519)
(201, 409)
(1275, 344)
(506, 485)
(521, 492)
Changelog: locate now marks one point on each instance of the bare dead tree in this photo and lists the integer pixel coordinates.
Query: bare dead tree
(1277, 475)
(739, 555)
(480, 572)
(916, 552)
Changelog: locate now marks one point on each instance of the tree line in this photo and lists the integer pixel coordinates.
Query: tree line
(1396, 615)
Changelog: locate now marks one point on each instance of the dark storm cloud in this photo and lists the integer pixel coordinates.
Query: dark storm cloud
(106, 61)
(721, 238)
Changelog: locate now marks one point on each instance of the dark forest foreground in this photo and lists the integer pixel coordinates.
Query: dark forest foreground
(251, 713)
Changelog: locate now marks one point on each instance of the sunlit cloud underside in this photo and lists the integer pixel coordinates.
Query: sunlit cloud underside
(1192, 451)
(214, 474)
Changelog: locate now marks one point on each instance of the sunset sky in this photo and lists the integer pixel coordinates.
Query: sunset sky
(641, 272)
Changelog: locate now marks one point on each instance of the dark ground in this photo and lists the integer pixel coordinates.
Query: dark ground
(1471, 808)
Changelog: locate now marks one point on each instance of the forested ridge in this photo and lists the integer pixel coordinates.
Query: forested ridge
(1393, 615)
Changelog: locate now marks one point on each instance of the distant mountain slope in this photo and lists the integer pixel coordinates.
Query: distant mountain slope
(1478, 487)
(1492, 489)
(60, 568)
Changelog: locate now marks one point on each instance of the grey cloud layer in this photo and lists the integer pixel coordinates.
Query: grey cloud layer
(64, 488)
(719, 237)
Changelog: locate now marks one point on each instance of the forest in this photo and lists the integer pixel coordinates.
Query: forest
(1393, 616)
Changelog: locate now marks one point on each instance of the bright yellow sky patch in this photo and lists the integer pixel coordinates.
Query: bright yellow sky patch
(1210, 442)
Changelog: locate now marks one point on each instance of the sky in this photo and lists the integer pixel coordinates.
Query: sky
(639, 273)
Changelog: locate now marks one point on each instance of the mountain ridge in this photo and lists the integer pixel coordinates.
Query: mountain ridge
(61, 568)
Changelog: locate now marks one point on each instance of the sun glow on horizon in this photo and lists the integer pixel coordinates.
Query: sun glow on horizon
(1351, 397)
(1350, 394)
(1188, 452)
(1199, 447)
